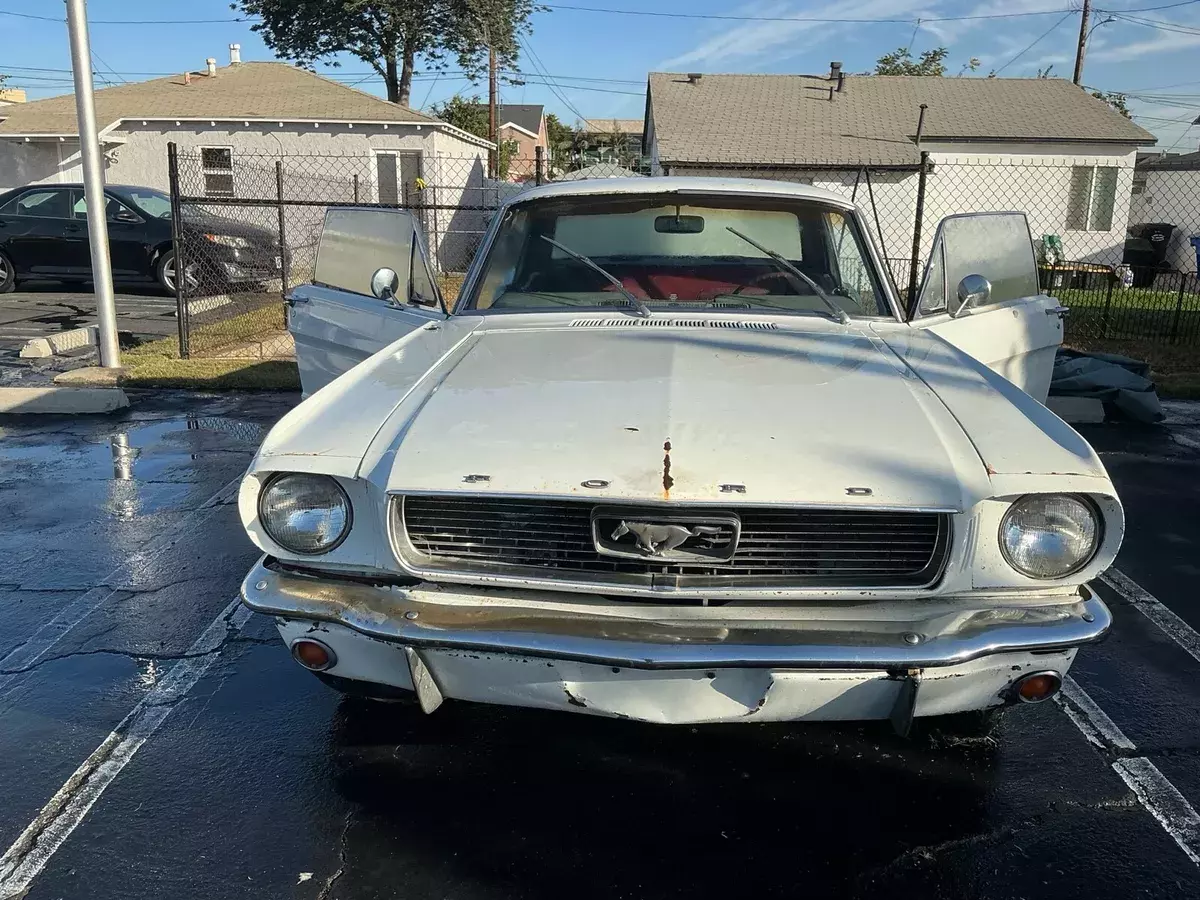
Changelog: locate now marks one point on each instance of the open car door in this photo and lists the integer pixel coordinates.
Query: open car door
(980, 293)
(372, 285)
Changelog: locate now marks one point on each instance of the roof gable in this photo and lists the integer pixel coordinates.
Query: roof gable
(796, 119)
(253, 90)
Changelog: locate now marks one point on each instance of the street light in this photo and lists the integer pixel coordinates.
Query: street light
(93, 183)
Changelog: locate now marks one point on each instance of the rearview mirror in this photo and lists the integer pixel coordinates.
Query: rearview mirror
(384, 284)
(679, 224)
(974, 290)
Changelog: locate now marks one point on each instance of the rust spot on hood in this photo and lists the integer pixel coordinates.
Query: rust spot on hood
(988, 468)
(668, 481)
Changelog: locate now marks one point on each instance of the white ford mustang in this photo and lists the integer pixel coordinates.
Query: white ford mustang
(680, 454)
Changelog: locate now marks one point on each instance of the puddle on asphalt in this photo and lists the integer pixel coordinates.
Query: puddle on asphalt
(166, 452)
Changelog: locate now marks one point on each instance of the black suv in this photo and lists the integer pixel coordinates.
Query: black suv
(44, 235)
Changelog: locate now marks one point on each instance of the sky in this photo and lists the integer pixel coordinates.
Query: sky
(585, 63)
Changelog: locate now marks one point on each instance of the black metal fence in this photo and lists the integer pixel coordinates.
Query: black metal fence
(247, 228)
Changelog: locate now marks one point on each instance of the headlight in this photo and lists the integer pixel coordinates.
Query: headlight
(305, 513)
(1049, 535)
(227, 240)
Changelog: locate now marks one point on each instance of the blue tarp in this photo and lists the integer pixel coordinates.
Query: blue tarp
(1118, 380)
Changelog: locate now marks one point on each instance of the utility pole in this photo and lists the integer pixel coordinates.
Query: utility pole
(93, 183)
(494, 153)
(1083, 36)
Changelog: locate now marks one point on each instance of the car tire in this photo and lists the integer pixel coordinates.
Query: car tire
(8, 275)
(164, 269)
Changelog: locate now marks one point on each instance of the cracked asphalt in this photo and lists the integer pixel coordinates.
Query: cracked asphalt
(156, 741)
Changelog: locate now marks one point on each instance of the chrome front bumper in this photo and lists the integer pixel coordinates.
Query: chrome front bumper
(891, 636)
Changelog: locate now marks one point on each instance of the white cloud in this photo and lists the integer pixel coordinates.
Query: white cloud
(1165, 42)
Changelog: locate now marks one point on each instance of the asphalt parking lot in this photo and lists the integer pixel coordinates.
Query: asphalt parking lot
(44, 308)
(157, 741)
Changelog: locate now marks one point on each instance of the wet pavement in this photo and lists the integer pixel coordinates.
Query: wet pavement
(233, 773)
(40, 309)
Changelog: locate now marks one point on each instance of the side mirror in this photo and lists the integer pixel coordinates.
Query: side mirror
(384, 284)
(126, 216)
(974, 290)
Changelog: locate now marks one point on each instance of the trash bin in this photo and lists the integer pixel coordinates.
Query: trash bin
(1195, 239)
(1146, 251)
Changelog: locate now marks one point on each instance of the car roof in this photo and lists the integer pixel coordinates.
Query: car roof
(79, 184)
(688, 184)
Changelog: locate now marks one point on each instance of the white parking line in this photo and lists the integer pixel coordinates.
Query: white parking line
(1155, 610)
(45, 638)
(1152, 788)
(30, 853)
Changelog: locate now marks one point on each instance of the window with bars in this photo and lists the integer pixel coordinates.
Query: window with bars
(1092, 198)
(217, 165)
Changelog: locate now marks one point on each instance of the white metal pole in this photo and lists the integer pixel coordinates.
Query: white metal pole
(93, 182)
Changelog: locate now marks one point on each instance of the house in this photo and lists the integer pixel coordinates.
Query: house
(9, 96)
(1167, 189)
(1040, 146)
(522, 125)
(232, 123)
(611, 141)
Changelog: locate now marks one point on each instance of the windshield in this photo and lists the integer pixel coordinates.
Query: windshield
(155, 204)
(677, 252)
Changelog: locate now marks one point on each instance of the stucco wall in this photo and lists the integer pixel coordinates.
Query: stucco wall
(1174, 197)
(1034, 179)
(38, 162)
(333, 163)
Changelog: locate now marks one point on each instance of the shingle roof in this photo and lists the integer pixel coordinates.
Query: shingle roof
(790, 119)
(523, 115)
(605, 126)
(252, 90)
(1189, 161)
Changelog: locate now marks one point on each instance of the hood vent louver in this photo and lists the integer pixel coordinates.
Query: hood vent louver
(674, 323)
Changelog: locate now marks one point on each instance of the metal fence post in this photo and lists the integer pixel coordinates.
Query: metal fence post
(539, 163)
(1107, 308)
(356, 187)
(1178, 308)
(181, 307)
(920, 213)
(284, 267)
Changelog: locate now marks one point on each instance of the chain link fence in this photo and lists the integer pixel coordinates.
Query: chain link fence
(1114, 243)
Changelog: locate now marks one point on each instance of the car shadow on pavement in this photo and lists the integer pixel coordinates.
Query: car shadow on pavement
(550, 805)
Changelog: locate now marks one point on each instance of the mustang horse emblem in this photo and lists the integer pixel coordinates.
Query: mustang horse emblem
(658, 539)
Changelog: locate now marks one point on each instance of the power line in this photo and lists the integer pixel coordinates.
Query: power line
(1035, 42)
(858, 21)
(537, 62)
(19, 15)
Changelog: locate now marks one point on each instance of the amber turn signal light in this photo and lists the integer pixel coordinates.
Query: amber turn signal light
(1038, 687)
(313, 655)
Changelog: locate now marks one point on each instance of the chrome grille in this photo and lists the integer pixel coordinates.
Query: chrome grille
(552, 540)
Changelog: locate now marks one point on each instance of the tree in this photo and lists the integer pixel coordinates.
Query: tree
(471, 115)
(391, 35)
(560, 137)
(468, 113)
(900, 62)
(1115, 100)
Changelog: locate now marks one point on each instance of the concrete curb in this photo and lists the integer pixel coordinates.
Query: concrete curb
(43, 347)
(60, 400)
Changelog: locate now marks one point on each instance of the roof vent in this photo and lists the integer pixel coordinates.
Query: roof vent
(187, 77)
(212, 66)
(235, 54)
(693, 77)
(835, 70)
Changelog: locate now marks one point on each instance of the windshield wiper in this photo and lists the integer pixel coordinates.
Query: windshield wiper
(837, 312)
(642, 308)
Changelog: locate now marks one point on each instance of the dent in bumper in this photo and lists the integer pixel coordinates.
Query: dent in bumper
(503, 623)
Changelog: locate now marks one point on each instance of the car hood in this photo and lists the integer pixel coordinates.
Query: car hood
(210, 224)
(772, 414)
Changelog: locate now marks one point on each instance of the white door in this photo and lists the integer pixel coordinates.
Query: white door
(337, 321)
(1012, 327)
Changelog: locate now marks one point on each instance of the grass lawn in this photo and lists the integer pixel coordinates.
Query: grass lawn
(1133, 313)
